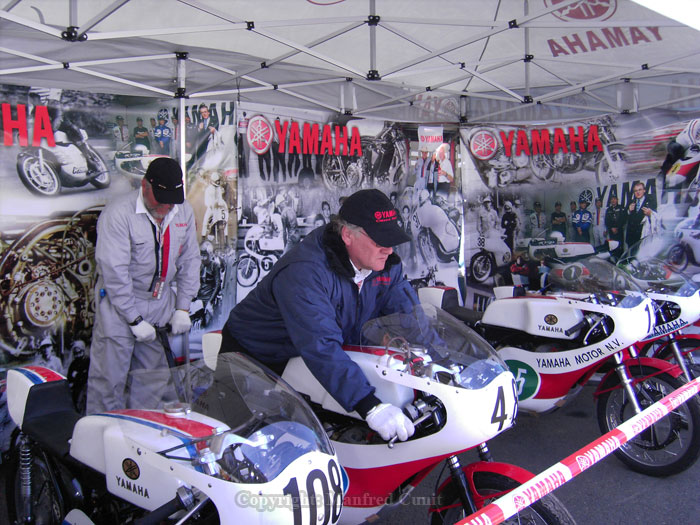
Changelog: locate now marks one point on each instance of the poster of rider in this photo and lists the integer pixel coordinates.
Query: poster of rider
(296, 167)
(576, 184)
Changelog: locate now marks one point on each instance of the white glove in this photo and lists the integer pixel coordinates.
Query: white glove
(144, 332)
(180, 322)
(389, 421)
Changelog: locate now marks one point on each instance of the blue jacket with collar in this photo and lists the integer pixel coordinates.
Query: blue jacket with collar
(309, 306)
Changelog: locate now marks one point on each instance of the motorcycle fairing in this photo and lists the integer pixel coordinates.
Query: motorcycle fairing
(313, 476)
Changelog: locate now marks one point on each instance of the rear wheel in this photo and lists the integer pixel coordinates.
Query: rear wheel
(46, 502)
(667, 447)
(489, 487)
(541, 167)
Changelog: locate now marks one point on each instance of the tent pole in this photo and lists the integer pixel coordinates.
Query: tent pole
(180, 94)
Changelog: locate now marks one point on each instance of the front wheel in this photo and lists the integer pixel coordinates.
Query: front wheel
(612, 167)
(670, 445)
(481, 266)
(489, 486)
(248, 271)
(98, 165)
(38, 175)
(689, 348)
(339, 174)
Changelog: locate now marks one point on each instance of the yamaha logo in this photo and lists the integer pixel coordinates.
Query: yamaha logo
(551, 319)
(131, 469)
(584, 10)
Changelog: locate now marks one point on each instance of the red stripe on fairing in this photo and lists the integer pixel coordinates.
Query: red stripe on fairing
(373, 350)
(186, 426)
(370, 487)
(45, 373)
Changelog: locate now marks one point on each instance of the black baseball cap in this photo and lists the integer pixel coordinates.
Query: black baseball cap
(373, 211)
(165, 177)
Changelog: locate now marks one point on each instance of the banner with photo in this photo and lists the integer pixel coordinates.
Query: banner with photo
(65, 154)
(607, 185)
(297, 167)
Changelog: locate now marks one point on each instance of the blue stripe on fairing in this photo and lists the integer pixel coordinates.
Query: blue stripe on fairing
(186, 440)
(32, 376)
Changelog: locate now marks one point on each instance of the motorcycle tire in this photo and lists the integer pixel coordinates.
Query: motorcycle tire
(541, 167)
(47, 501)
(339, 174)
(690, 348)
(678, 257)
(427, 248)
(248, 271)
(669, 446)
(481, 267)
(40, 178)
(104, 179)
(613, 171)
(489, 486)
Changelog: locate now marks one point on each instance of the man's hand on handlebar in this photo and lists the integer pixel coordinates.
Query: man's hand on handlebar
(389, 421)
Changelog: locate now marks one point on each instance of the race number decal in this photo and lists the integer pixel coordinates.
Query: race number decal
(259, 134)
(527, 381)
(331, 500)
(500, 412)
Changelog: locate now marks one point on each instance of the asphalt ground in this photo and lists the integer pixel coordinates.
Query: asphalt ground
(608, 493)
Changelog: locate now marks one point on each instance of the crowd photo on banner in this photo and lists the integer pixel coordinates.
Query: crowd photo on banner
(483, 204)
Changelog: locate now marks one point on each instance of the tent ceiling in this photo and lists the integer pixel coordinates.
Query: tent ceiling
(364, 56)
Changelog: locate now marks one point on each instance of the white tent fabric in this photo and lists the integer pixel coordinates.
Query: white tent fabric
(377, 58)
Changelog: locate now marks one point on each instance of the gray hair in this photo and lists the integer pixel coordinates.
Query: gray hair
(337, 224)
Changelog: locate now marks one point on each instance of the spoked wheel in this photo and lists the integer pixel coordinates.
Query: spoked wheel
(248, 271)
(612, 168)
(338, 174)
(669, 446)
(47, 504)
(426, 248)
(38, 176)
(481, 266)
(489, 487)
(541, 167)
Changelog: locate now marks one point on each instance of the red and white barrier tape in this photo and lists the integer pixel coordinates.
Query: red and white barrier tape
(571, 466)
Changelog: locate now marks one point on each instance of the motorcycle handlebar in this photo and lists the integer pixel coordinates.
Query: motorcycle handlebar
(417, 422)
(581, 324)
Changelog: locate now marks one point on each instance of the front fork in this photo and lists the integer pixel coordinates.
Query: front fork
(25, 477)
(625, 378)
(678, 356)
(460, 479)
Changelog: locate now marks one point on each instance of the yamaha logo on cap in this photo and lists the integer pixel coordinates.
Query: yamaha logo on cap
(383, 216)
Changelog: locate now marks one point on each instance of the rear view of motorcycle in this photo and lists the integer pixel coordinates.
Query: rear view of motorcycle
(227, 444)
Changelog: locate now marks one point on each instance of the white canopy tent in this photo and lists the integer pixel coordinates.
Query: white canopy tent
(377, 58)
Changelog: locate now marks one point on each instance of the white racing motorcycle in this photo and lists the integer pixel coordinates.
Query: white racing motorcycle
(243, 448)
(458, 392)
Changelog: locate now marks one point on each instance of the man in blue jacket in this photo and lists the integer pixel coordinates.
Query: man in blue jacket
(319, 295)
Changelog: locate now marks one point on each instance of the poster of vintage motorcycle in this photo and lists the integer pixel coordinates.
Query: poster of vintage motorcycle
(297, 167)
(575, 188)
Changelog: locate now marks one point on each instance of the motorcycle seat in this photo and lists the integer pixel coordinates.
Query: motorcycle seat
(50, 416)
(466, 315)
